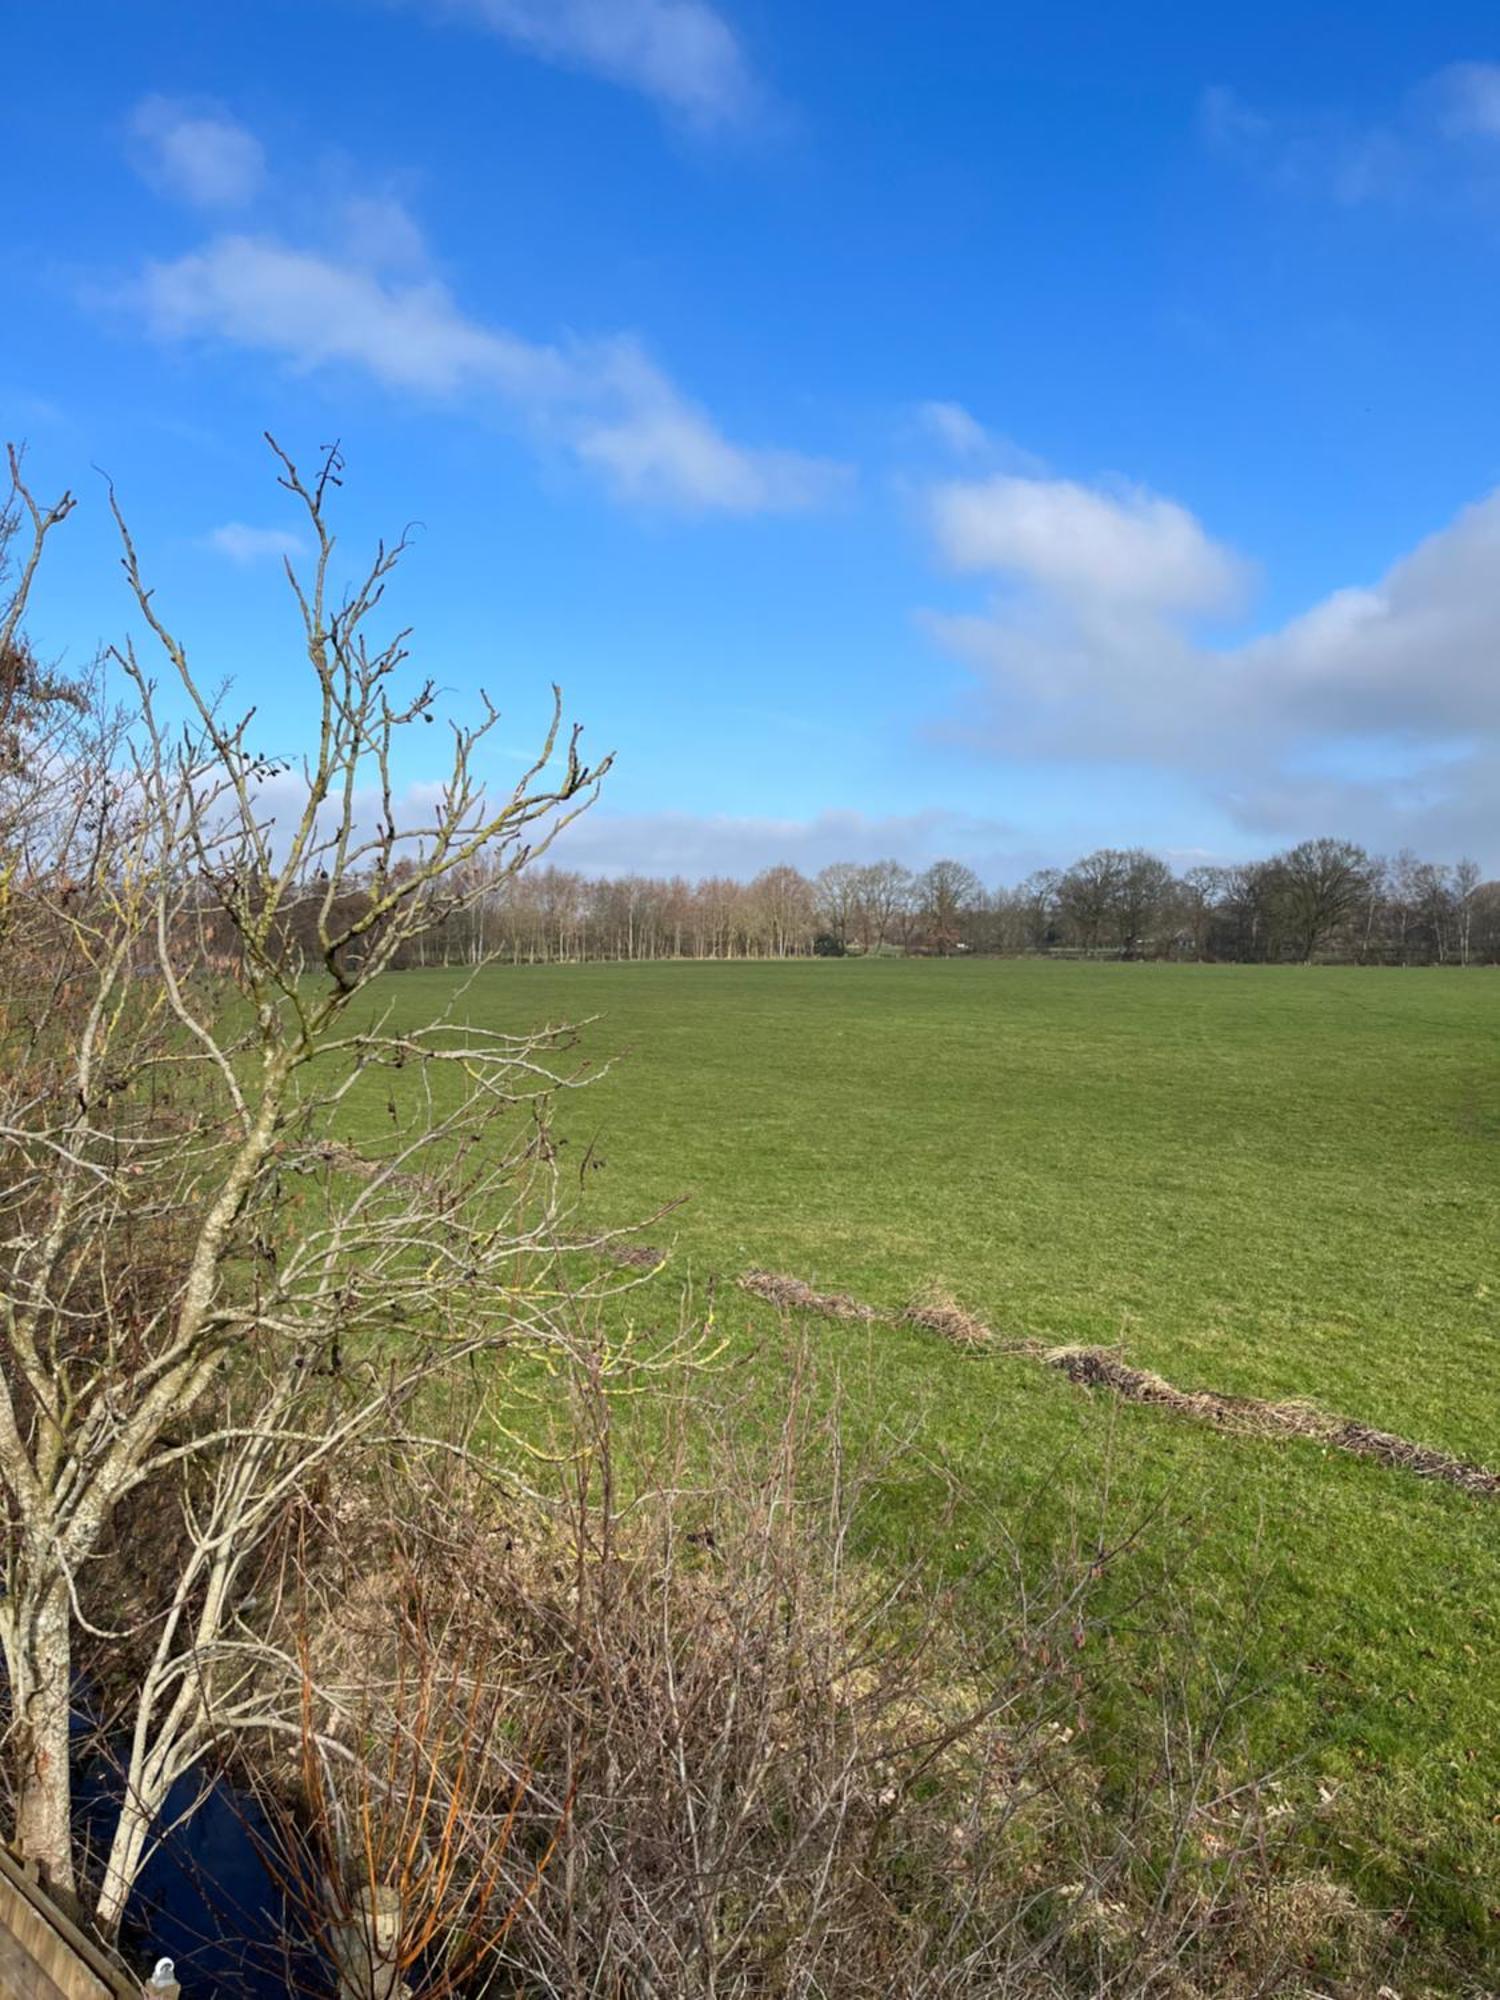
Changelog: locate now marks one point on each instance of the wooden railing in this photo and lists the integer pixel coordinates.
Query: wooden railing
(45, 1957)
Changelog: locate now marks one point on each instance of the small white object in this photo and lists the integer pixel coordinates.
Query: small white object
(162, 1985)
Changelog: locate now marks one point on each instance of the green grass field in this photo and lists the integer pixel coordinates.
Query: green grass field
(1278, 1182)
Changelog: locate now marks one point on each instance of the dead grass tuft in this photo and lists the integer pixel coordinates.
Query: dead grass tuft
(1310, 1922)
(796, 1295)
(939, 1312)
(635, 1256)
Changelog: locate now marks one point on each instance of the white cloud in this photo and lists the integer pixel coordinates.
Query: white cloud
(602, 400)
(683, 53)
(314, 310)
(1375, 712)
(1322, 153)
(245, 545)
(201, 156)
(654, 446)
(1414, 654)
(1436, 142)
(1225, 120)
(378, 233)
(1468, 94)
(954, 428)
(1127, 547)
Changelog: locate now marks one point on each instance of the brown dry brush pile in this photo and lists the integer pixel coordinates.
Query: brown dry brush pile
(938, 1311)
(1102, 1368)
(635, 1256)
(795, 1295)
(1097, 1367)
(663, 1736)
(933, 1309)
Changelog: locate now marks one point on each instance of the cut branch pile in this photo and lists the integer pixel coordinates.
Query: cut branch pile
(1097, 1367)
(1388, 1449)
(1102, 1368)
(795, 1295)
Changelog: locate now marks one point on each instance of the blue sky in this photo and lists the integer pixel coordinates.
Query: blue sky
(914, 430)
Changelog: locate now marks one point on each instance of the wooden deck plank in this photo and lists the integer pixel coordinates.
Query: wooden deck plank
(43, 1956)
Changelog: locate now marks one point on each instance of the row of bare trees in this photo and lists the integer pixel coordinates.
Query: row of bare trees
(1321, 899)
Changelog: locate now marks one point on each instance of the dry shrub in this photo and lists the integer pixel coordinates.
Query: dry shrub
(666, 1733)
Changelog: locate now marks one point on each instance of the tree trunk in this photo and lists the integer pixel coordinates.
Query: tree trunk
(39, 1660)
(126, 1852)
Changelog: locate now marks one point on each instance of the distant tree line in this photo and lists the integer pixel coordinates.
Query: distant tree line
(1322, 900)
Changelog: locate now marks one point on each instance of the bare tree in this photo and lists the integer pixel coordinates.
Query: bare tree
(213, 1289)
(1250, 905)
(1484, 920)
(1089, 894)
(782, 903)
(1322, 884)
(1467, 876)
(947, 894)
(1437, 909)
(1144, 896)
(837, 892)
(1038, 900)
(1201, 890)
(885, 894)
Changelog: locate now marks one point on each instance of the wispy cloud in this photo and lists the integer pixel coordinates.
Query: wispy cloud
(682, 53)
(739, 845)
(196, 154)
(1466, 96)
(1442, 138)
(952, 431)
(602, 400)
(365, 297)
(245, 545)
(954, 428)
(1376, 711)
